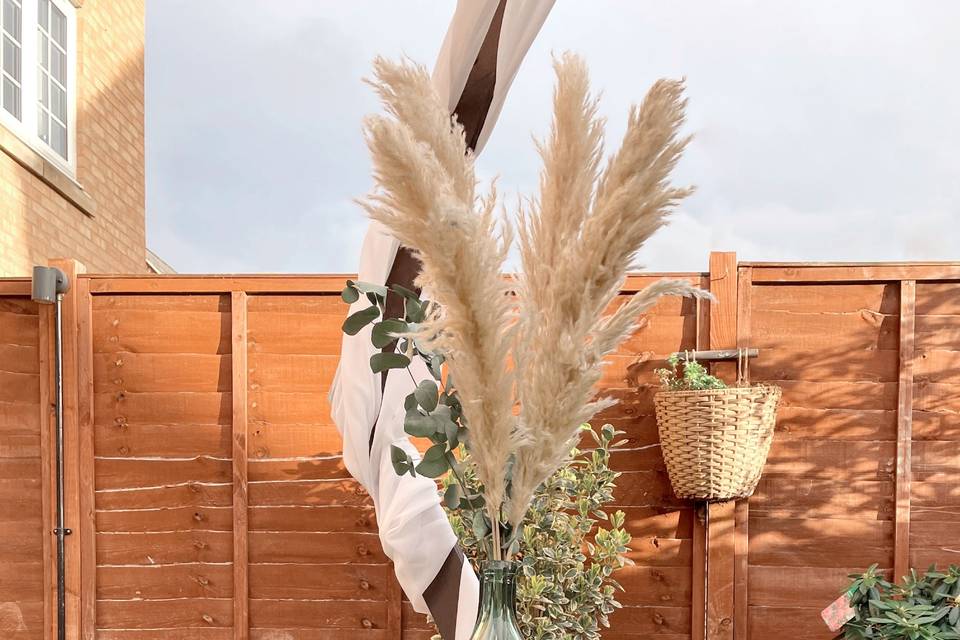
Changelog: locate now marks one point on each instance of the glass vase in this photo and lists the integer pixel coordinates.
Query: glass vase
(498, 602)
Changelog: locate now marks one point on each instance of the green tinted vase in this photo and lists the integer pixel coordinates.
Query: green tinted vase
(498, 602)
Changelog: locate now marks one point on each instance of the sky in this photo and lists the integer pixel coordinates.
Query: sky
(822, 130)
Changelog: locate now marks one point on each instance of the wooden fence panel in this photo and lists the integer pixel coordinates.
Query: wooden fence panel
(316, 566)
(865, 466)
(659, 587)
(935, 487)
(24, 574)
(162, 417)
(825, 504)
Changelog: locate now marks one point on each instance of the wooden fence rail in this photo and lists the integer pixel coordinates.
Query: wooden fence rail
(208, 498)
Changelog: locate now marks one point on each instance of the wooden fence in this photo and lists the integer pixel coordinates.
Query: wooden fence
(208, 499)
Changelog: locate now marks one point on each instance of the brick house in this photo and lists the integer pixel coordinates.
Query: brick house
(72, 135)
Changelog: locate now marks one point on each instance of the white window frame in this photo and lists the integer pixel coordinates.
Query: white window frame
(27, 128)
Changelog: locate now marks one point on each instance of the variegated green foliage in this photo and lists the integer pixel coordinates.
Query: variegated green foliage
(570, 547)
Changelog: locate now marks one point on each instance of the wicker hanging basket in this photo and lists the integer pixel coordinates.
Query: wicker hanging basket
(715, 441)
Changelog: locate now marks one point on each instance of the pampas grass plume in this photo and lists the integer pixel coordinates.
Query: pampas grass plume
(577, 242)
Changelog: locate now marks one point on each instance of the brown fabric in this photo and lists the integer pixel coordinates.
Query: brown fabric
(443, 594)
(474, 103)
(405, 270)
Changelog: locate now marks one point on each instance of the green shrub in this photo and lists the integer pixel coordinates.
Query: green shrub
(570, 547)
(921, 608)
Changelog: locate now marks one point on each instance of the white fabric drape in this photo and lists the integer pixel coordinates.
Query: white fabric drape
(414, 530)
(522, 20)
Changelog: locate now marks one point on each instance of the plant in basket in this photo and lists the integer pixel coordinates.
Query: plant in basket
(688, 376)
(714, 438)
(537, 342)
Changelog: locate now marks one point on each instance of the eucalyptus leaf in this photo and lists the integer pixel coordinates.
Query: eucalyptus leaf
(436, 367)
(452, 432)
(472, 502)
(418, 425)
(368, 287)
(349, 294)
(413, 310)
(402, 462)
(358, 320)
(410, 402)
(434, 463)
(384, 332)
(451, 497)
(380, 362)
(481, 526)
(403, 291)
(453, 402)
(427, 395)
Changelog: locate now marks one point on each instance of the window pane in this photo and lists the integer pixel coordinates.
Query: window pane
(58, 26)
(58, 133)
(11, 98)
(43, 51)
(59, 66)
(58, 102)
(43, 124)
(43, 16)
(11, 58)
(11, 18)
(43, 88)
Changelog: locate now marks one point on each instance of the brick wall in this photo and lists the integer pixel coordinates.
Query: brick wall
(36, 221)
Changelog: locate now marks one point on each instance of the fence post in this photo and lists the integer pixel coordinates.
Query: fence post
(901, 545)
(71, 449)
(741, 533)
(241, 579)
(713, 544)
(87, 481)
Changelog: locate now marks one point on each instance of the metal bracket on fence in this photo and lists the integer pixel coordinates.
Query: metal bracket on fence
(715, 355)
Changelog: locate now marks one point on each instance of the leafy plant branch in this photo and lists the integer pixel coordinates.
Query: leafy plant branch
(919, 608)
(433, 409)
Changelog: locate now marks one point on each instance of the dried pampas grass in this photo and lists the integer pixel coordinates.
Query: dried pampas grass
(577, 242)
(426, 198)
